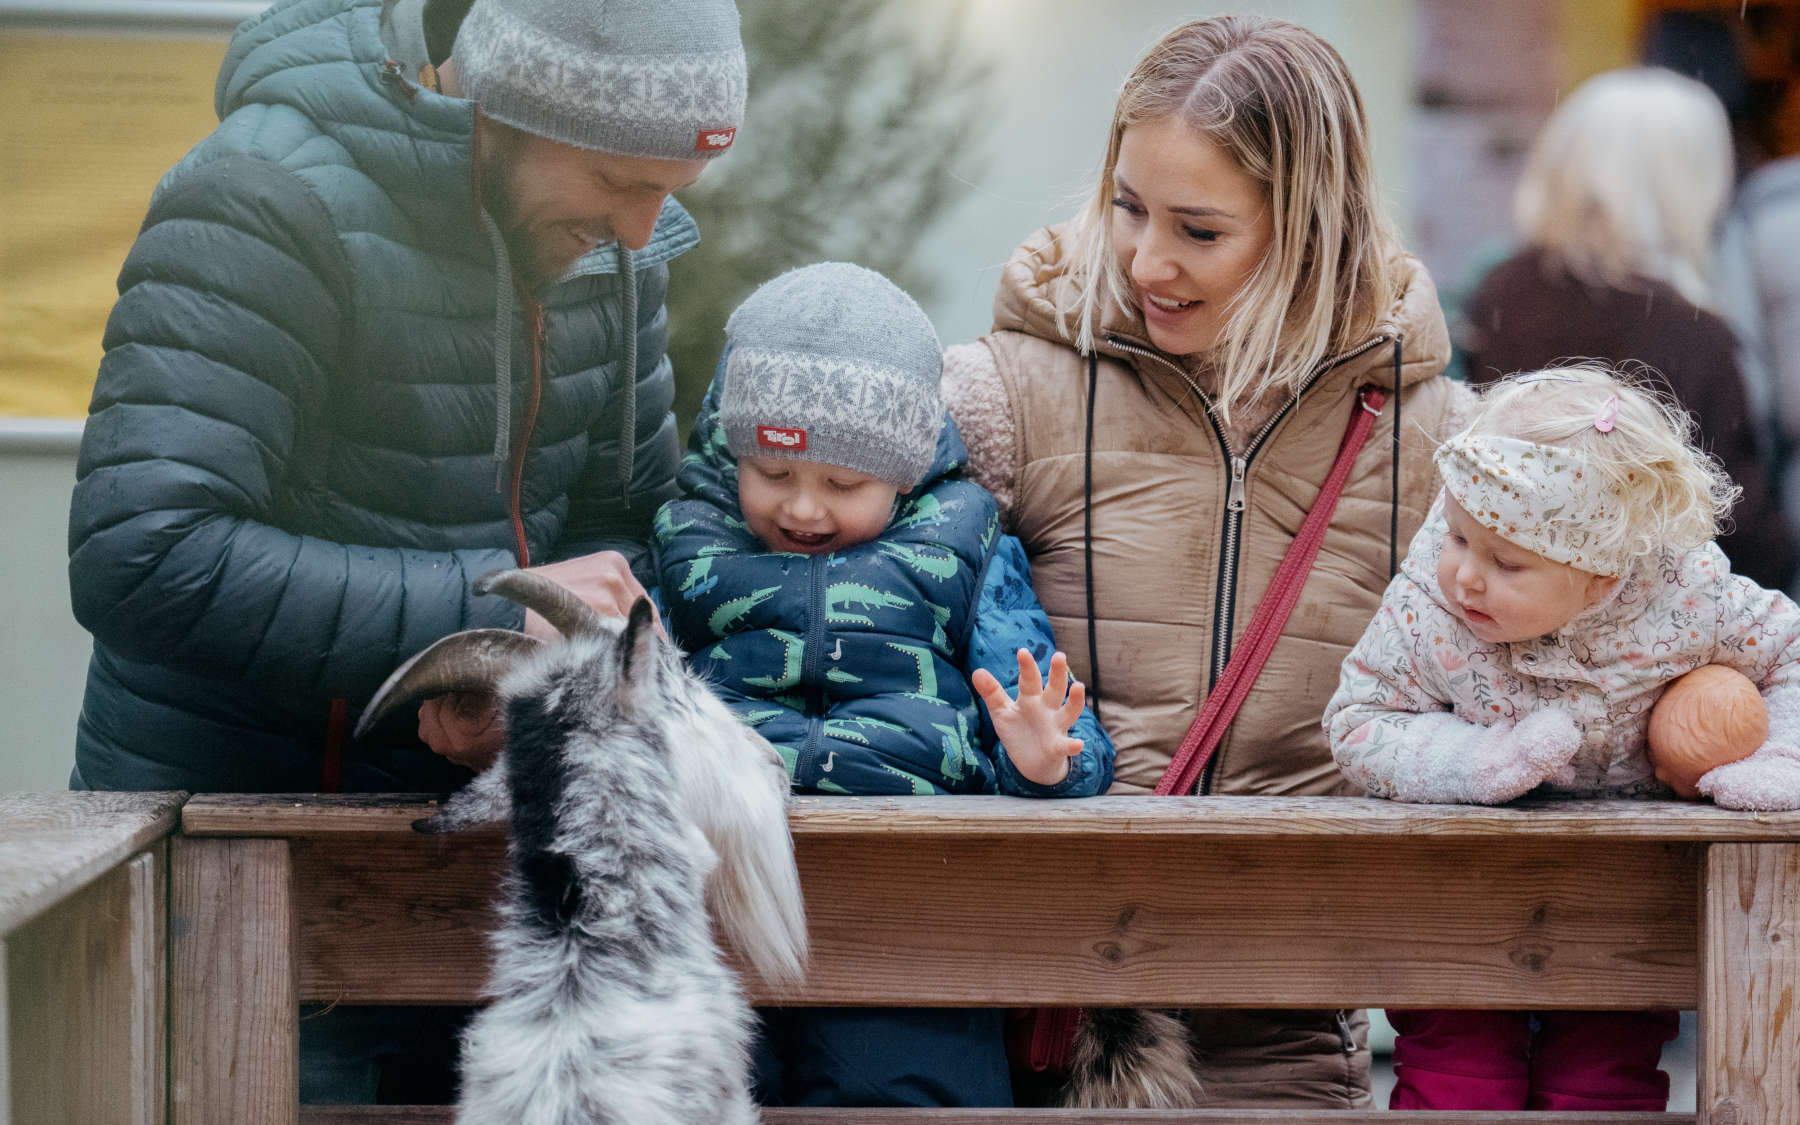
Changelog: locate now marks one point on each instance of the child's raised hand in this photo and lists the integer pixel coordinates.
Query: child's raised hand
(1035, 728)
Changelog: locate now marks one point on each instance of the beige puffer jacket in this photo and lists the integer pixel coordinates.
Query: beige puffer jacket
(1182, 551)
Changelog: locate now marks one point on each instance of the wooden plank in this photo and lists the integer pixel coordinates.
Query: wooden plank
(233, 1018)
(298, 816)
(1749, 1010)
(84, 1012)
(1241, 922)
(54, 844)
(445, 1115)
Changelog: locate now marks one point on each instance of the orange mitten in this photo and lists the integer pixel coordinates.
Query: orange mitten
(1711, 716)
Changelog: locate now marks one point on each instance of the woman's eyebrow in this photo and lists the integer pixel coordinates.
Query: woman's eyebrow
(1197, 212)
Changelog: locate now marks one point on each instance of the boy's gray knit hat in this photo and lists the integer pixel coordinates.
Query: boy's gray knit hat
(834, 363)
(635, 77)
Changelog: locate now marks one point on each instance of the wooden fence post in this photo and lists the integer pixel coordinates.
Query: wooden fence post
(1749, 977)
(234, 1020)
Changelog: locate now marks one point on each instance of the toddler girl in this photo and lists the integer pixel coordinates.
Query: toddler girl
(1565, 577)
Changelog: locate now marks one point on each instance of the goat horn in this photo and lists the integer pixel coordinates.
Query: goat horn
(555, 603)
(473, 660)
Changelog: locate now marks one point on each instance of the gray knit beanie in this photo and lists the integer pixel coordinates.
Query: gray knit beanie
(834, 363)
(662, 78)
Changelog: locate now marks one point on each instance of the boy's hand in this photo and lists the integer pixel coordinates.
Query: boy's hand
(1035, 728)
(465, 727)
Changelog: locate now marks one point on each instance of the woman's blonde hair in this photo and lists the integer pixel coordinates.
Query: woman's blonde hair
(1628, 179)
(1280, 101)
(1671, 495)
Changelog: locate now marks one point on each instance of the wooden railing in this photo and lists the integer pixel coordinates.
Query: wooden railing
(83, 878)
(1217, 902)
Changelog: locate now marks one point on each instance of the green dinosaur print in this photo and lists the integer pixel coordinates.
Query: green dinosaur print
(667, 528)
(940, 617)
(701, 567)
(927, 668)
(856, 594)
(939, 565)
(839, 676)
(792, 653)
(926, 509)
(920, 787)
(719, 653)
(730, 615)
(959, 754)
(790, 758)
(990, 533)
(826, 785)
(851, 730)
(758, 718)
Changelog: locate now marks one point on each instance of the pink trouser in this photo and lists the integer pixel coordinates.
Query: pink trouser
(1572, 1061)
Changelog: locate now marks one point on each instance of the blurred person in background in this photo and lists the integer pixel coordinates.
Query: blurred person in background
(396, 322)
(1617, 210)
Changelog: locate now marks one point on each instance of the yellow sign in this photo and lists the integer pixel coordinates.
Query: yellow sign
(90, 124)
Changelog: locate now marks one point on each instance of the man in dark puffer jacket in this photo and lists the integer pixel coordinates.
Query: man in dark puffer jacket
(390, 326)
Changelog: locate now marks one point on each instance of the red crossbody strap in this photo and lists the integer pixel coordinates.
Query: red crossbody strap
(1278, 601)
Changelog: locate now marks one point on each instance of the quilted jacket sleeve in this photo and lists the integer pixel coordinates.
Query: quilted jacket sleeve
(1009, 618)
(1390, 723)
(604, 514)
(231, 313)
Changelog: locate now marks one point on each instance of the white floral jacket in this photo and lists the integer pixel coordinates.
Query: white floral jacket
(1605, 669)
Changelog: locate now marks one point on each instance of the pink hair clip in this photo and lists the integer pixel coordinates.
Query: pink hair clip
(1607, 414)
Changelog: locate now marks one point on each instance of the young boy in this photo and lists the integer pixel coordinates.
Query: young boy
(851, 596)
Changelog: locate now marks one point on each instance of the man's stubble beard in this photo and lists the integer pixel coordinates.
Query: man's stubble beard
(498, 163)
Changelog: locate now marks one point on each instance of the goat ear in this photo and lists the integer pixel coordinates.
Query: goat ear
(637, 649)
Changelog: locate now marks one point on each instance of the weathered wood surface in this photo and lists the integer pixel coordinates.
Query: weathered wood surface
(1750, 986)
(54, 844)
(442, 1115)
(1237, 921)
(297, 816)
(233, 1017)
(84, 1022)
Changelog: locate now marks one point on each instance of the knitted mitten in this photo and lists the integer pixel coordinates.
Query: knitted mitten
(1766, 781)
(1454, 762)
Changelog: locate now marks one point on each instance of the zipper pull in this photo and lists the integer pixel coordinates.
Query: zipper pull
(1345, 1035)
(1234, 496)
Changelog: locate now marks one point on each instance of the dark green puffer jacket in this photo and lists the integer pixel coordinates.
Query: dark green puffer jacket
(289, 474)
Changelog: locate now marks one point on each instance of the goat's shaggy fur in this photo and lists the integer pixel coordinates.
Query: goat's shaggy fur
(627, 785)
(1131, 1058)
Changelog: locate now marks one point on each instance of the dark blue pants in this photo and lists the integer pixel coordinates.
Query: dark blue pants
(881, 1057)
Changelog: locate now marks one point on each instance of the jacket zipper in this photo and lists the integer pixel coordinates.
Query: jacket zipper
(534, 314)
(1225, 594)
(810, 678)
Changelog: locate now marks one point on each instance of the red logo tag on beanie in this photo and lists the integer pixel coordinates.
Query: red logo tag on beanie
(714, 140)
(774, 437)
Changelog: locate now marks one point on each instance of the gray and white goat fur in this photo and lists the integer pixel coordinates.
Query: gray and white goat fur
(635, 799)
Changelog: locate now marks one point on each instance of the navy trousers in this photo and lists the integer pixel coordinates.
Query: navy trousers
(881, 1057)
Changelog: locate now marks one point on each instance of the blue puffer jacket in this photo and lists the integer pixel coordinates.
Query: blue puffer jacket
(294, 465)
(856, 664)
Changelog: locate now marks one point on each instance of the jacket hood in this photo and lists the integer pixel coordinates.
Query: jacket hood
(1038, 295)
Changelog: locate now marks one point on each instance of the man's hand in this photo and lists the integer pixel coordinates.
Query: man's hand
(1035, 729)
(603, 580)
(466, 727)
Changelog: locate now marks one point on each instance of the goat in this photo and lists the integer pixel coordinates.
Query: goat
(627, 784)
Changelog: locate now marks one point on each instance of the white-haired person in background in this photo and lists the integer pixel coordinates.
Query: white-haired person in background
(1617, 210)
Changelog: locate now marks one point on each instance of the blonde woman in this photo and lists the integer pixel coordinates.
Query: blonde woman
(1169, 381)
(1617, 208)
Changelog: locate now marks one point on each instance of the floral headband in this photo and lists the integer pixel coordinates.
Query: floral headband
(1548, 501)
